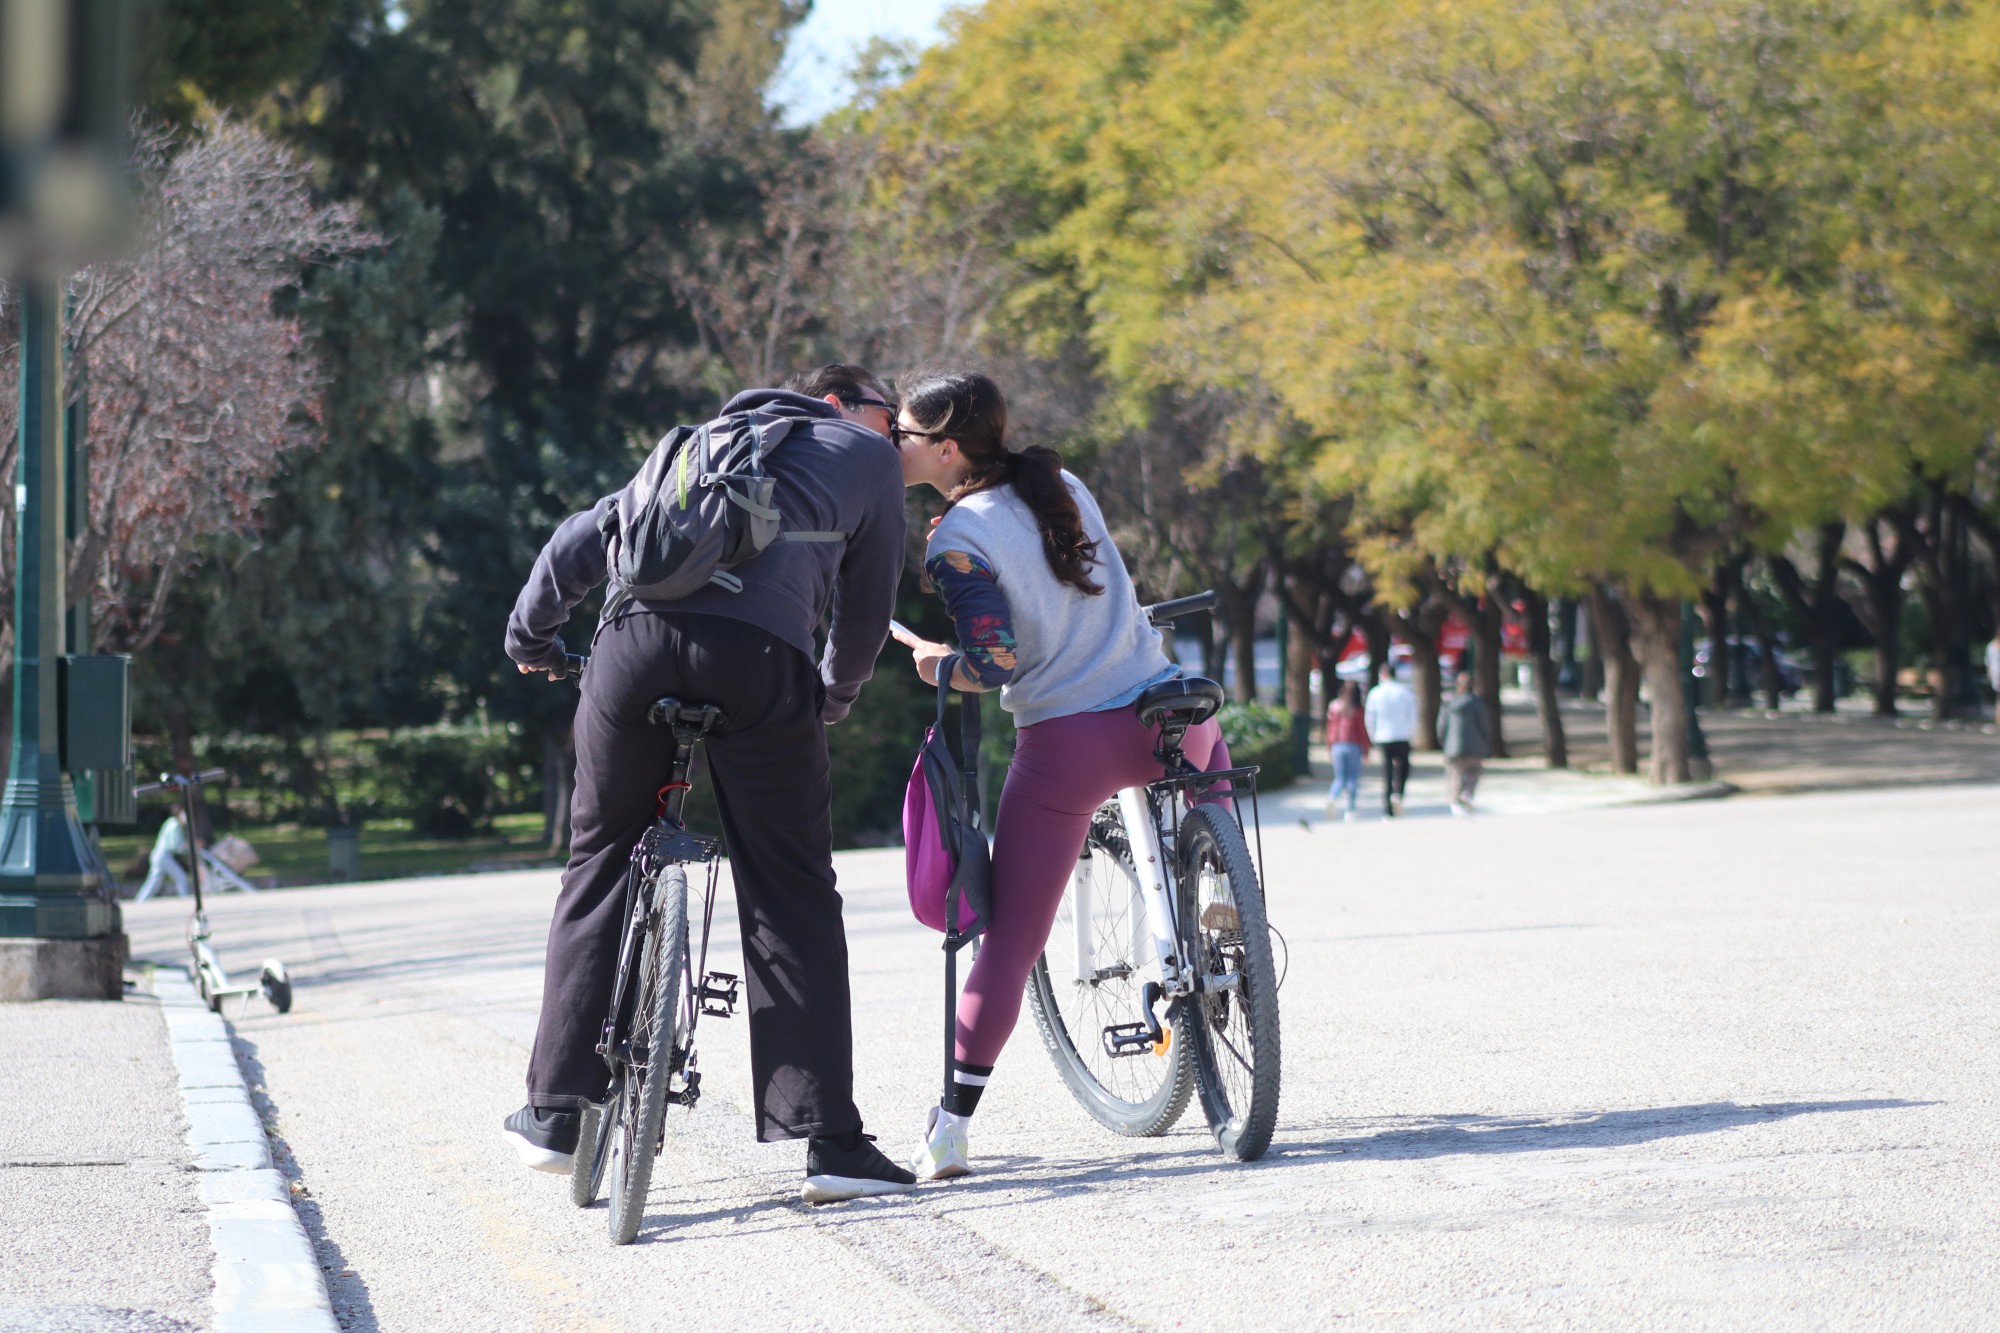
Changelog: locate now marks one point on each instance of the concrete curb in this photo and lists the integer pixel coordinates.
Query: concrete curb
(266, 1275)
(1714, 789)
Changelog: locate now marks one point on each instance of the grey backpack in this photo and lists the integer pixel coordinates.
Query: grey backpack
(700, 506)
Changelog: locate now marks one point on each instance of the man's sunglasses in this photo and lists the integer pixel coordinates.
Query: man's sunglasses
(858, 403)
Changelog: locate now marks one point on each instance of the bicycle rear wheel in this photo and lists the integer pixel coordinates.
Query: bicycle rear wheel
(1235, 1038)
(1087, 980)
(586, 1172)
(638, 1106)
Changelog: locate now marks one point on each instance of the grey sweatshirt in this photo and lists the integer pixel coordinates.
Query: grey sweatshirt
(1073, 652)
(832, 475)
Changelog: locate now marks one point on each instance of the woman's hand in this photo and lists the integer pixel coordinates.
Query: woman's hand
(928, 654)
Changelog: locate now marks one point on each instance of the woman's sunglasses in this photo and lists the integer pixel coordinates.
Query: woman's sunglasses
(898, 431)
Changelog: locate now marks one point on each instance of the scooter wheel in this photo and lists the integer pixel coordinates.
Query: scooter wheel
(277, 987)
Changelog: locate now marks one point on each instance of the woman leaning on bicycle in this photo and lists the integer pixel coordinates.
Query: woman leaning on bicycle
(1046, 613)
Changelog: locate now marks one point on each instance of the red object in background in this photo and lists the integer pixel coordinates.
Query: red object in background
(1453, 639)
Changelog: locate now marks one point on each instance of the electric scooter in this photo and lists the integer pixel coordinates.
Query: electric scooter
(210, 980)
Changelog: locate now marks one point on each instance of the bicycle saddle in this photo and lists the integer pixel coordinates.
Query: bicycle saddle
(699, 719)
(1187, 701)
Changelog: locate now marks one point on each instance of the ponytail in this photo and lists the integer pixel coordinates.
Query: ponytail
(1038, 480)
(968, 407)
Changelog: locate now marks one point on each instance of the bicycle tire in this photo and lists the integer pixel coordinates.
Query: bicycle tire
(586, 1172)
(640, 1108)
(1235, 1040)
(1138, 1096)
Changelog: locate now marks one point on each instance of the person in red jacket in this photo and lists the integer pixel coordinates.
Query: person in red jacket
(1347, 742)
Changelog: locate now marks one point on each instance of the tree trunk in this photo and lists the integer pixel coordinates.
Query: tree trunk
(1716, 683)
(1548, 711)
(1656, 622)
(1590, 664)
(1611, 642)
(1298, 667)
(1490, 627)
(1814, 606)
(1377, 635)
(1239, 610)
(1880, 606)
(558, 785)
(1769, 679)
(1429, 681)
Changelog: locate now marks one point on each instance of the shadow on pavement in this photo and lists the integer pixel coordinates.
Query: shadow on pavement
(1447, 1135)
(1440, 1136)
(351, 1304)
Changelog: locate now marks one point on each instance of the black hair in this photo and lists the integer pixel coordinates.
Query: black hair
(850, 384)
(965, 406)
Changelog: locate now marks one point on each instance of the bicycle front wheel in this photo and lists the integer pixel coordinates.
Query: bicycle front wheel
(638, 1106)
(1235, 1035)
(1087, 981)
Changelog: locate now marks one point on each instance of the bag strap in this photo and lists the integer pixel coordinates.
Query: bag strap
(968, 757)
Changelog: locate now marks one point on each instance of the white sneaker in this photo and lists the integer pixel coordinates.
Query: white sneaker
(940, 1155)
(1458, 810)
(1348, 817)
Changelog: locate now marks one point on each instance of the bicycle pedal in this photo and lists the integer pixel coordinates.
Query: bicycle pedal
(1128, 1039)
(1166, 1039)
(689, 1092)
(1221, 917)
(718, 994)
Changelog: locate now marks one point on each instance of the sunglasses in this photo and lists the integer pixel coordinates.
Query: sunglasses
(897, 432)
(859, 403)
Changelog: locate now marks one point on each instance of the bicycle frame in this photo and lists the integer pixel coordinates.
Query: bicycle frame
(1149, 814)
(668, 843)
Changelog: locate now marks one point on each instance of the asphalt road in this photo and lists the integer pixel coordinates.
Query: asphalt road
(1715, 1065)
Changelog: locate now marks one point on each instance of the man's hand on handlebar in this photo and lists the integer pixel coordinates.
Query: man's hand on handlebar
(573, 665)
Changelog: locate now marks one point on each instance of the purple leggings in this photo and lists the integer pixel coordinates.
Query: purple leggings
(1063, 770)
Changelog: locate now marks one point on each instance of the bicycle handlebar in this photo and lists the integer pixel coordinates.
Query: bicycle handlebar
(1165, 613)
(178, 781)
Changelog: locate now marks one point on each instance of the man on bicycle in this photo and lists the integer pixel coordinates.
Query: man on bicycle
(750, 653)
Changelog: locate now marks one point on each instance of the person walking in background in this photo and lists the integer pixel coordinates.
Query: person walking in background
(1993, 673)
(1391, 718)
(1467, 742)
(166, 870)
(1347, 744)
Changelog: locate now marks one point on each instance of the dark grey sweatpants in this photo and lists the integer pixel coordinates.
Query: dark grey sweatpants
(770, 773)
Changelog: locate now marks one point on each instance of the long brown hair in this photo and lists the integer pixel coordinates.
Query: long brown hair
(966, 406)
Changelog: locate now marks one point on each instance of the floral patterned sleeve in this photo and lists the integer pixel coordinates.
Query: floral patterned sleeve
(979, 613)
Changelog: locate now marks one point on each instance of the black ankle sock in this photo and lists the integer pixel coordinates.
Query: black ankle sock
(961, 1094)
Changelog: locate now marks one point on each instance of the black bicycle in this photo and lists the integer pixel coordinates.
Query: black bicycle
(1158, 980)
(662, 989)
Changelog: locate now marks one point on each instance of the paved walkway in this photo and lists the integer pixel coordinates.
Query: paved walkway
(1713, 1065)
(102, 1227)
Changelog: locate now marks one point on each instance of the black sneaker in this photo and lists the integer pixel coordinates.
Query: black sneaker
(546, 1140)
(851, 1167)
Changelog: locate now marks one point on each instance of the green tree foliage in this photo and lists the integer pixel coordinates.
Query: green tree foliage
(1591, 294)
(227, 53)
(575, 180)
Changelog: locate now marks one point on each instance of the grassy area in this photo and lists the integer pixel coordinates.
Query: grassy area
(291, 854)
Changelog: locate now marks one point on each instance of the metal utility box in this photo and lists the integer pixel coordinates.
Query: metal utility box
(95, 698)
(96, 701)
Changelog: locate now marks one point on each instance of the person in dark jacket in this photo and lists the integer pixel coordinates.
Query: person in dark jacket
(1468, 740)
(750, 653)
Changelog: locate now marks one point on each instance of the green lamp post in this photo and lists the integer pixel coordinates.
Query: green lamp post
(61, 117)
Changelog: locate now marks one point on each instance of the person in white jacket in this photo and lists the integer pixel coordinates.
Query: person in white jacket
(1391, 715)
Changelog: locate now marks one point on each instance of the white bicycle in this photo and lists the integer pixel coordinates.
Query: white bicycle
(1158, 981)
